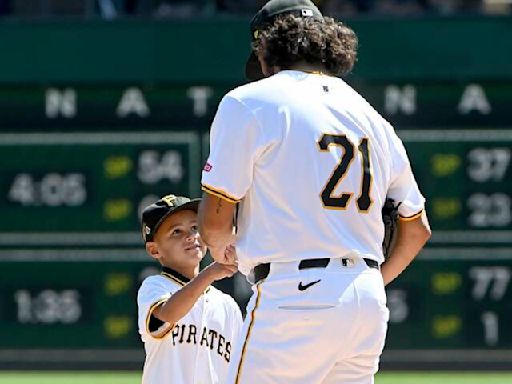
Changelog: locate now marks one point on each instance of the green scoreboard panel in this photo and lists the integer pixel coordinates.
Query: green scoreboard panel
(50, 180)
(170, 106)
(457, 298)
(75, 299)
(67, 186)
(450, 299)
(466, 176)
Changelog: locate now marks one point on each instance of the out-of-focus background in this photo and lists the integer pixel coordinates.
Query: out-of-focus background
(105, 105)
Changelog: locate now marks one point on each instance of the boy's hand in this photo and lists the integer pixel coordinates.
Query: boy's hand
(225, 255)
(217, 271)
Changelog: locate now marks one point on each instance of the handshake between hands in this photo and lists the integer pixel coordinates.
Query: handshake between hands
(225, 261)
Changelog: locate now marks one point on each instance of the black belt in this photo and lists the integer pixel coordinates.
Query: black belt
(262, 270)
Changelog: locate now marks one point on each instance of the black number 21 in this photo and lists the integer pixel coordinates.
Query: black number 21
(364, 200)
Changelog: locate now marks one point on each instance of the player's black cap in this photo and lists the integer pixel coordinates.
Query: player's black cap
(266, 15)
(155, 214)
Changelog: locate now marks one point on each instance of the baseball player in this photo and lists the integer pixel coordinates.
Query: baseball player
(310, 164)
(188, 327)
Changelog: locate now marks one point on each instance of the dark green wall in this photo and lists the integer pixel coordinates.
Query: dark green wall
(214, 51)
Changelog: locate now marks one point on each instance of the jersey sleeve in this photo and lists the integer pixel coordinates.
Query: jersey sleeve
(151, 295)
(403, 187)
(236, 141)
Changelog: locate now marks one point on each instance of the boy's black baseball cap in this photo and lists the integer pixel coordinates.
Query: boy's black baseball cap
(155, 214)
(266, 15)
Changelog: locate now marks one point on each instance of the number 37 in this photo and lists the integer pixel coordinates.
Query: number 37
(364, 200)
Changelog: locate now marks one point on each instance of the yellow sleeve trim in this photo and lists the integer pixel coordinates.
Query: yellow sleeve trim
(413, 217)
(220, 194)
(163, 332)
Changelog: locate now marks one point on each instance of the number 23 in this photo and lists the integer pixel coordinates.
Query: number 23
(364, 200)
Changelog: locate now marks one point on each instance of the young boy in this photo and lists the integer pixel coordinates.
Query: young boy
(187, 326)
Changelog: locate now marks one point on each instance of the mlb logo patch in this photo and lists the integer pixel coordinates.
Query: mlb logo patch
(207, 167)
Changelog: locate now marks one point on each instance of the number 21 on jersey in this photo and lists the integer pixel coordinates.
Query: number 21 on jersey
(341, 202)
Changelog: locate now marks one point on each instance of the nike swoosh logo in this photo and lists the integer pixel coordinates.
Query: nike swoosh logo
(306, 286)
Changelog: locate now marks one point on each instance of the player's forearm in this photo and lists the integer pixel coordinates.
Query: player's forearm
(215, 218)
(181, 302)
(217, 238)
(411, 238)
(401, 256)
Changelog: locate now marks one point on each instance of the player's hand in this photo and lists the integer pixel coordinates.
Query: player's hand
(225, 255)
(218, 271)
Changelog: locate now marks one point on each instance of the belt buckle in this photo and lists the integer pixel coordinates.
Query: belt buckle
(348, 262)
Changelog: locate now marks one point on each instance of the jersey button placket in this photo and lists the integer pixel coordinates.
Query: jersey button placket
(202, 374)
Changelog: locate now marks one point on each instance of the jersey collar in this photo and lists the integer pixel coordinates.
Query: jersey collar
(173, 275)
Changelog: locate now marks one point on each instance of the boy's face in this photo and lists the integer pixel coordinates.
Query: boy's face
(176, 243)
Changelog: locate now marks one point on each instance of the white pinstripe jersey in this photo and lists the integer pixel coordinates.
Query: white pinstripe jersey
(311, 163)
(198, 348)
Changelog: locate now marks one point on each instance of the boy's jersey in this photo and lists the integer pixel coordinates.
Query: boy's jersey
(197, 349)
(305, 140)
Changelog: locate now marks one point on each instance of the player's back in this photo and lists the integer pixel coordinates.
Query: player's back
(321, 171)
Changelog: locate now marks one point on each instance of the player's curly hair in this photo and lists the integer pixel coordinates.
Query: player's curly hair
(292, 39)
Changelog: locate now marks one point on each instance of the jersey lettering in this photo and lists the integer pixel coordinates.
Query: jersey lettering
(364, 201)
(175, 334)
(204, 337)
(329, 200)
(192, 333)
(220, 344)
(182, 333)
(213, 335)
(186, 333)
(227, 355)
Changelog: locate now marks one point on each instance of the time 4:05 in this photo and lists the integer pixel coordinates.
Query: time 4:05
(53, 189)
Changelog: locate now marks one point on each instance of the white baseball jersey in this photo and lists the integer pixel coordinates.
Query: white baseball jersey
(311, 163)
(197, 349)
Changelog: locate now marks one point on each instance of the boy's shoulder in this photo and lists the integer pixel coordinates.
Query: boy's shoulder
(161, 280)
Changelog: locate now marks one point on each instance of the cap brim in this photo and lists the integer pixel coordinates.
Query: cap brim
(253, 68)
(192, 205)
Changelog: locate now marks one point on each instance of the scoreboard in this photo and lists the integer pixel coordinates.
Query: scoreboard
(91, 182)
(105, 179)
(454, 302)
(79, 299)
(466, 176)
(78, 163)
(453, 305)
(453, 299)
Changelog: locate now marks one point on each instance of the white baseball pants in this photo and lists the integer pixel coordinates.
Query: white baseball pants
(331, 331)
